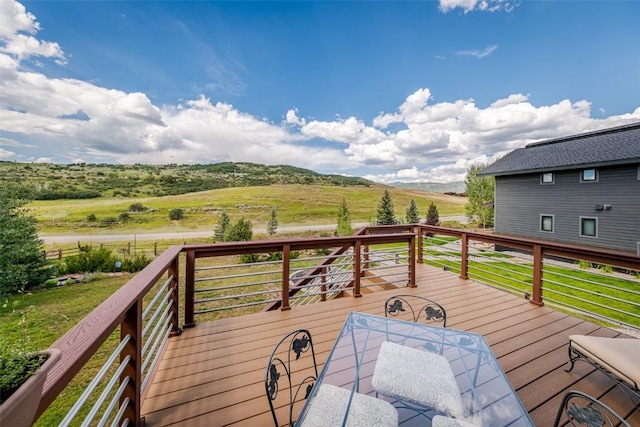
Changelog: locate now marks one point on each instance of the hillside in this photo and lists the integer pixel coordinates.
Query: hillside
(44, 181)
(437, 187)
(295, 204)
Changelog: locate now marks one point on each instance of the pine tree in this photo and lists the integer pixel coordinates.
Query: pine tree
(344, 220)
(22, 264)
(221, 228)
(412, 215)
(272, 225)
(433, 217)
(385, 212)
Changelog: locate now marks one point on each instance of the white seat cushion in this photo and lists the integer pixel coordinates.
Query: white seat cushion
(418, 377)
(441, 421)
(618, 355)
(328, 407)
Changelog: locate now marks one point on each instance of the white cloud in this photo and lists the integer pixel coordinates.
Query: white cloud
(419, 140)
(478, 5)
(15, 21)
(44, 160)
(5, 154)
(479, 53)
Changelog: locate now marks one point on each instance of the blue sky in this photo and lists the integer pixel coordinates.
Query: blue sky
(392, 91)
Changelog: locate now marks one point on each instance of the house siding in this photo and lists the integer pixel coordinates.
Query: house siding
(521, 199)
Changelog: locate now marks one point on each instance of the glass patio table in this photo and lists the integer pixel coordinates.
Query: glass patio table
(488, 399)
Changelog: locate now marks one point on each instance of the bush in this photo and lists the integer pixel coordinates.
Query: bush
(584, 264)
(135, 263)
(92, 218)
(51, 283)
(176, 214)
(137, 207)
(124, 216)
(91, 260)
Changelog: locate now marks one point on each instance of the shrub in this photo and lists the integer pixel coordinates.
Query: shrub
(17, 364)
(135, 263)
(51, 283)
(92, 218)
(91, 260)
(137, 207)
(584, 264)
(605, 268)
(176, 214)
(124, 216)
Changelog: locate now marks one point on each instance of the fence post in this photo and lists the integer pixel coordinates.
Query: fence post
(189, 289)
(155, 248)
(286, 256)
(357, 270)
(537, 276)
(128, 248)
(59, 253)
(464, 257)
(44, 255)
(174, 272)
(132, 325)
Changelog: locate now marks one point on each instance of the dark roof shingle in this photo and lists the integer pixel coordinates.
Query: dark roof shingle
(619, 145)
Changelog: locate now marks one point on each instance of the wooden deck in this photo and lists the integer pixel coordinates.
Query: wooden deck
(212, 375)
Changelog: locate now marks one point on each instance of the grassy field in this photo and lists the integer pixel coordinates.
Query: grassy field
(295, 204)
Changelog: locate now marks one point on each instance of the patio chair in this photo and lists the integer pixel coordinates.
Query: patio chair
(295, 350)
(329, 404)
(615, 357)
(584, 410)
(419, 309)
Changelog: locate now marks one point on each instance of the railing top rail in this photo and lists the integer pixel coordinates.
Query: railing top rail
(234, 248)
(81, 342)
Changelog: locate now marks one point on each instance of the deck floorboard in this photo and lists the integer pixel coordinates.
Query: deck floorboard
(212, 374)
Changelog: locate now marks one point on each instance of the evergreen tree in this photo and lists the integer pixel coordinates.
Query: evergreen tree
(480, 190)
(344, 220)
(412, 215)
(221, 228)
(385, 212)
(272, 225)
(21, 262)
(433, 217)
(241, 231)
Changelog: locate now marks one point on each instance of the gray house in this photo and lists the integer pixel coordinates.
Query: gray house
(582, 189)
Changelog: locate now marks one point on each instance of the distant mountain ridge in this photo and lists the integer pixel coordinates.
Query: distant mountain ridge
(46, 181)
(436, 187)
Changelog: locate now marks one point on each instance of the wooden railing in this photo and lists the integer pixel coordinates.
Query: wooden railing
(121, 312)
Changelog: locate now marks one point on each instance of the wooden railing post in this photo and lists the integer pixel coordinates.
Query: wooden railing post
(357, 270)
(189, 289)
(175, 286)
(286, 257)
(132, 325)
(420, 253)
(464, 256)
(323, 286)
(537, 276)
(412, 261)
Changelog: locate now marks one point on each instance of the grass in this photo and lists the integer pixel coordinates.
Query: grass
(588, 291)
(49, 314)
(295, 204)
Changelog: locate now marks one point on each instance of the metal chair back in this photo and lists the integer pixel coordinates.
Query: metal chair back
(415, 308)
(291, 373)
(581, 409)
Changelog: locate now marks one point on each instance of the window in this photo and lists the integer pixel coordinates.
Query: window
(588, 227)
(546, 178)
(546, 223)
(589, 175)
